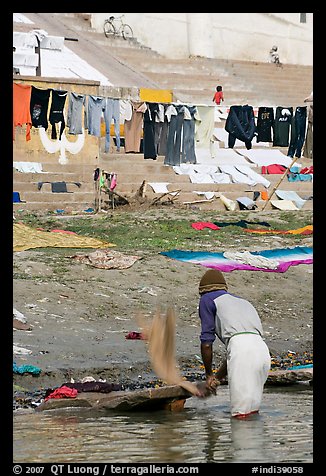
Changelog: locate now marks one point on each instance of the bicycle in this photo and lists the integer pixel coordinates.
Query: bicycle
(112, 29)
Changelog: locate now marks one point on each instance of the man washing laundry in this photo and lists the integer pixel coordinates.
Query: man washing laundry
(237, 324)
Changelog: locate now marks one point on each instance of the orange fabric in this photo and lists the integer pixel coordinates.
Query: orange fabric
(306, 230)
(21, 108)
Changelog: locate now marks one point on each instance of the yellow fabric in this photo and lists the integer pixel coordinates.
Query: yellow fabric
(156, 95)
(298, 231)
(112, 130)
(26, 238)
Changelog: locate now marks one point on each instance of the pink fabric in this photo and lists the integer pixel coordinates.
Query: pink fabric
(113, 182)
(204, 224)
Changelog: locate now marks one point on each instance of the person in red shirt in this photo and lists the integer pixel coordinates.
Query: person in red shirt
(218, 96)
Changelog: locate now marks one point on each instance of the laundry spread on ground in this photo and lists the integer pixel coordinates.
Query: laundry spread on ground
(26, 237)
(106, 259)
(200, 225)
(285, 257)
(26, 369)
(62, 392)
(305, 230)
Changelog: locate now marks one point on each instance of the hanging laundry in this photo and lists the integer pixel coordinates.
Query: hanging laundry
(56, 112)
(133, 127)
(298, 132)
(150, 150)
(111, 112)
(21, 108)
(188, 154)
(76, 104)
(282, 123)
(174, 139)
(240, 124)
(204, 126)
(95, 107)
(39, 107)
(160, 130)
(265, 121)
(308, 145)
(113, 181)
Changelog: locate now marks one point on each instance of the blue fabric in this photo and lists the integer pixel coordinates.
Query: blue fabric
(16, 197)
(22, 369)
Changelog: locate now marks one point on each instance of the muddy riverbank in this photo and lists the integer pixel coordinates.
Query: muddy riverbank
(79, 315)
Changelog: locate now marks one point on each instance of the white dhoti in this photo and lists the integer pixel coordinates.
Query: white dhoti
(248, 364)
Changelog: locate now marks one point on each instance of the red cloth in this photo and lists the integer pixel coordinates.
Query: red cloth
(135, 335)
(21, 108)
(218, 97)
(199, 225)
(307, 170)
(273, 169)
(62, 392)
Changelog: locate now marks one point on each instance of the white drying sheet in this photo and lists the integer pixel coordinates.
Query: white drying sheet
(220, 156)
(200, 178)
(284, 204)
(267, 157)
(207, 195)
(290, 195)
(187, 169)
(236, 176)
(159, 187)
(28, 167)
(252, 174)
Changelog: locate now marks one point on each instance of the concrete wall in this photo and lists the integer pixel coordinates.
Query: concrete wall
(240, 36)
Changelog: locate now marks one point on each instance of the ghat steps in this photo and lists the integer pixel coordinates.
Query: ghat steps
(130, 64)
(132, 170)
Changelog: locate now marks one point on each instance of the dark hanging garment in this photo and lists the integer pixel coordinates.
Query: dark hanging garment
(150, 150)
(298, 132)
(282, 123)
(265, 122)
(56, 112)
(174, 139)
(163, 134)
(188, 138)
(240, 124)
(39, 107)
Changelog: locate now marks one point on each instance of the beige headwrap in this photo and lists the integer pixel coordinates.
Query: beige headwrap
(213, 280)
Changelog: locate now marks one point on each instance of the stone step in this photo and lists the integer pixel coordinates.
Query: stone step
(60, 198)
(78, 206)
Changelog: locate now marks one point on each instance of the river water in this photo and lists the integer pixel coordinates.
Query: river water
(202, 433)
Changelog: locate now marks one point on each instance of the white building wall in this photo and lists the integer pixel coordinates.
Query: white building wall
(240, 36)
